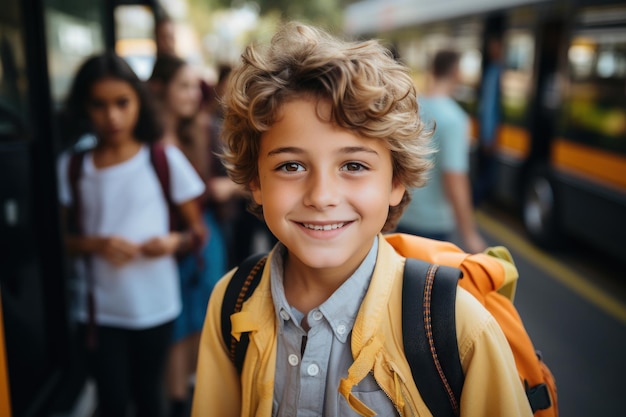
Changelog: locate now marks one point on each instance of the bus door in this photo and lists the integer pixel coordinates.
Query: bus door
(32, 303)
(529, 98)
(546, 100)
(538, 198)
(517, 38)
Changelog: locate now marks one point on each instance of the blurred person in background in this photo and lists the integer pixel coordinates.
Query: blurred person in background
(244, 232)
(177, 88)
(444, 205)
(116, 218)
(164, 33)
(489, 114)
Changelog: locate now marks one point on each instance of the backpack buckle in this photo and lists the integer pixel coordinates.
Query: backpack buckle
(539, 397)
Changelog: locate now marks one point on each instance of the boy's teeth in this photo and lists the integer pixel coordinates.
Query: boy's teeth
(323, 227)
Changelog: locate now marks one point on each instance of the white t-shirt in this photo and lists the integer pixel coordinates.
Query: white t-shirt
(126, 200)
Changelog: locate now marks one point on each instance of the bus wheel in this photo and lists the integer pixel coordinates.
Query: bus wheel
(539, 210)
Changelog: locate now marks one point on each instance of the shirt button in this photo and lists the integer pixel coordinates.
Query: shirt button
(313, 369)
(293, 360)
(284, 315)
(317, 315)
(341, 329)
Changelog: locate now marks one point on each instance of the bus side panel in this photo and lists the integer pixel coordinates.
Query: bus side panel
(596, 209)
(509, 170)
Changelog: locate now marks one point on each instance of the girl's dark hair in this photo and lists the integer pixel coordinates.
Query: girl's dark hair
(98, 67)
(165, 68)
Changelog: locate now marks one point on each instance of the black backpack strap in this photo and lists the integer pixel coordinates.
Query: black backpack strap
(241, 286)
(429, 334)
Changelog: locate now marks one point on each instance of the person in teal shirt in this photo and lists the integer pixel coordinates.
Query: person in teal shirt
(444, 205)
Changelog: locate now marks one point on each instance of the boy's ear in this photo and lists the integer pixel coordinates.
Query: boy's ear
(255, 190)
(397, 192)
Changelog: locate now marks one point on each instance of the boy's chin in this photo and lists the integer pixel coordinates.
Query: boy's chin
(328, 259)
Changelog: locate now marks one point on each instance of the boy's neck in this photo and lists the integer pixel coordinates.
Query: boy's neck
(307, 288)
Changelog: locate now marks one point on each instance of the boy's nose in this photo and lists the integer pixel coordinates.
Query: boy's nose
(323, 190)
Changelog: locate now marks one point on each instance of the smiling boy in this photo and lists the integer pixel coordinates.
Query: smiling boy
(327, 137)
(325, 193)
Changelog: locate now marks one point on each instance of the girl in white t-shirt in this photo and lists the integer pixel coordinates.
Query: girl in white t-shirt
(121, 235)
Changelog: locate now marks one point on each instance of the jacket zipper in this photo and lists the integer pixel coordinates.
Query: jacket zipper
(387, 394)
(395, 374)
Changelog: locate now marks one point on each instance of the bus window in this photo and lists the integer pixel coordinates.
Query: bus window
(467, 38)
(581, 56)
(73, 32)
(134, 27)
(517, 75)
(595, 111)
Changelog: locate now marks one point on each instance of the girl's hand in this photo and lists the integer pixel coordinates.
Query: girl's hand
(162, 245)
(117, 250)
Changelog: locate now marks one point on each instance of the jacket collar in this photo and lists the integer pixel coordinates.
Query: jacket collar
(378, 296)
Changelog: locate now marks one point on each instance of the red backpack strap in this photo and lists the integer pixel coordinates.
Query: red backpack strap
(158, 158)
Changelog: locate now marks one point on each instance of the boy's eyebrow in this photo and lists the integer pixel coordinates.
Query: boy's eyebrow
(285, 149)
(356, 149)
(296, 150)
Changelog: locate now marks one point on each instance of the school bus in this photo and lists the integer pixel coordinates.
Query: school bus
(561, 142)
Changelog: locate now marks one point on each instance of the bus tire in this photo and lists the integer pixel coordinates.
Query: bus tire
(539, 209)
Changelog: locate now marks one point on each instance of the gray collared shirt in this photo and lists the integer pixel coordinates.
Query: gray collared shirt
(310, 365)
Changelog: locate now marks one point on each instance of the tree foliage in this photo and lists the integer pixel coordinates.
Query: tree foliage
(327, 13)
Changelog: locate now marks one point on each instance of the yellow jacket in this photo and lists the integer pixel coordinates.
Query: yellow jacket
(492, 387)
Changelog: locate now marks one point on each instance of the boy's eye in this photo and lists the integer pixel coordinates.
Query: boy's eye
(353, 166)
(291, 167)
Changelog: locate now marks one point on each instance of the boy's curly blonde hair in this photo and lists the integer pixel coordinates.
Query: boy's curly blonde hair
(369, 91)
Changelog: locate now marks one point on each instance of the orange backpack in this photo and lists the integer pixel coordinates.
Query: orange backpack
(491, 277)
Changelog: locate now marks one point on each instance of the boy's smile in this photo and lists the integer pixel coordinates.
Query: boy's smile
(325, 190)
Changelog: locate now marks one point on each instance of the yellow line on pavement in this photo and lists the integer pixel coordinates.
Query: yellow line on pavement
(557, 270)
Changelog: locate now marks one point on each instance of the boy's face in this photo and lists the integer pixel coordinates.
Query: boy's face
(325, 190)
